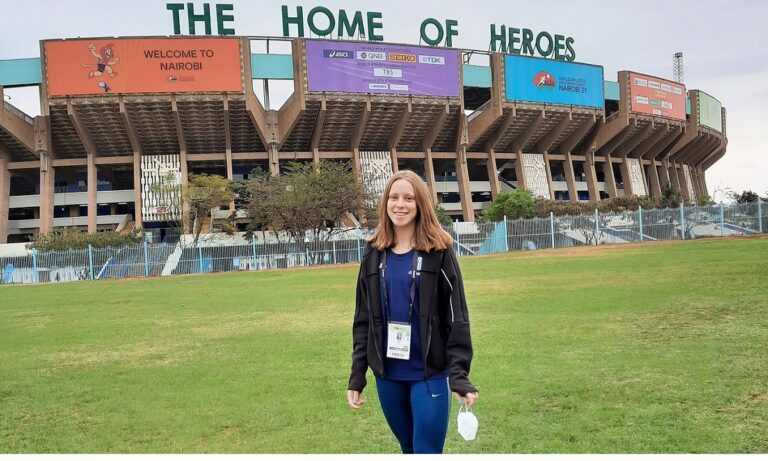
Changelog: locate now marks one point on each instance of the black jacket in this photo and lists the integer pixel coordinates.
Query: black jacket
(444, 325)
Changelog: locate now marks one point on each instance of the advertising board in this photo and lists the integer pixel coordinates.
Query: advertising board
(656, 96)
(553, 82)
(710, 112)
(377, 68)
(143, 65)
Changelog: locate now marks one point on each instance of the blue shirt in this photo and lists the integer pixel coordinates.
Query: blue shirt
(398, 284)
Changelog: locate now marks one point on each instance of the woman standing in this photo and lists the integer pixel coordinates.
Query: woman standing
(411, 325)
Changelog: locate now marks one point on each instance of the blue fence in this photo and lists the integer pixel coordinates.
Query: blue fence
(227, 254)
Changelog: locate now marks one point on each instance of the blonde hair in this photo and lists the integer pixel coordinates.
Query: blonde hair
(428, 235)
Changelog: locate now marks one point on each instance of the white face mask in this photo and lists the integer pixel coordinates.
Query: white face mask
(467, 423)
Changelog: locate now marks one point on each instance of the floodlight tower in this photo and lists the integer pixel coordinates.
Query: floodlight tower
(677, 67)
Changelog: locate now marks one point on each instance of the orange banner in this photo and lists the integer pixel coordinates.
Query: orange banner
(656, 96)
(143, 65)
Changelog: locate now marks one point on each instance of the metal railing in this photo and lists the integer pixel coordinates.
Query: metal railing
(228, 255)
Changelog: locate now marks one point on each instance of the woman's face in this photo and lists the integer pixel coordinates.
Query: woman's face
(401, 204)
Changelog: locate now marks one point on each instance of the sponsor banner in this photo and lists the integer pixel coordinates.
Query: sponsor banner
(656, 96)
(710, 113)
(553, 82)
(143, 65)
(381, 69)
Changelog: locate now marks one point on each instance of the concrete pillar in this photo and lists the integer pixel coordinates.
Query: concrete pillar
(493, 176)
(231, 174)
(610, 180)
(665, 178)
(230, 170)
(356, 166)
(626, 177)
(694, 182)
(646, 184)
(47, 180)
(550, 185)
(429, 172)
(520, 171)
(684, 186)
(92, 190)
(358, 170)
(184, 185)
(5, 192)
(465, 191)
(138, 222)
(655, 183)
(393, 155)
(43, 147)
(675, 178)
(591, 174)
(704, 181)
(570, 178)
(700, 180)
(274, 160)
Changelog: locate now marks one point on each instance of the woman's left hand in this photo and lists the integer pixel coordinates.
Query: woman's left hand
(469, 399)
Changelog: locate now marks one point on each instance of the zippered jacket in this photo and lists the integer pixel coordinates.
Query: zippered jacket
(444, 321)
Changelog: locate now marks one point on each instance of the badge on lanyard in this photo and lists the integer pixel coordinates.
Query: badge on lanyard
(399, 333)
(398, 340)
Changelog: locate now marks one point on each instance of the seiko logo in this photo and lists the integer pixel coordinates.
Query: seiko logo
(337, 54)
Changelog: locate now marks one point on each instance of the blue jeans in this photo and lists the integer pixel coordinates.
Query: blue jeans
(417, 412)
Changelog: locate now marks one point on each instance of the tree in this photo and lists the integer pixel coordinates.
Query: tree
(519, 203)
(204, 194)
(704, 200)
(442, 216)
(670, 198)
(307, 197)
(746, 196)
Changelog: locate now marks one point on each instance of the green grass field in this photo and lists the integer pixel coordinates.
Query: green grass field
(631, 349)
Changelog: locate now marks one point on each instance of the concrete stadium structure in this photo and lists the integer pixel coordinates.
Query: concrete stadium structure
(83, 161)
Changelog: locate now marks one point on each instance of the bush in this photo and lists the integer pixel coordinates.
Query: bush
(517, 204)
(544, 206)
(66, 238)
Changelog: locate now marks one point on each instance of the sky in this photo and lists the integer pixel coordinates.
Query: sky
(722, 43)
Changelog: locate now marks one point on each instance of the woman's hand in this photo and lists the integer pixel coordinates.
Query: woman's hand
(469, 399)
(354, 400)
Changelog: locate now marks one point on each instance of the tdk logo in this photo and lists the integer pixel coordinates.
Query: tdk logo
(337, 54)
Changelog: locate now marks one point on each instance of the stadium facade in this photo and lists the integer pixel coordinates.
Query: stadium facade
(119, 114)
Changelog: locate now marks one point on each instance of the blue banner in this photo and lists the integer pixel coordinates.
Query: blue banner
(553, 82)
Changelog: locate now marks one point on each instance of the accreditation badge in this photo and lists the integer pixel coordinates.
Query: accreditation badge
(398, 341)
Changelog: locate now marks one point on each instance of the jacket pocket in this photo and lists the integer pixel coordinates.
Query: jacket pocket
(436, 354)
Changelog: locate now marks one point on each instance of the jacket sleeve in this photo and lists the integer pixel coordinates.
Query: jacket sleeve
(357, 379)
(459, 344)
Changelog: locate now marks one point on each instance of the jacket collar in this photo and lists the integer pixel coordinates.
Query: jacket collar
(431, 262)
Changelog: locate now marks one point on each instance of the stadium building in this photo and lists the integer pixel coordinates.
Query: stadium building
(118, 114)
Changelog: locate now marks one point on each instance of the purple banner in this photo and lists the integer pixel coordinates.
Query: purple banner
(382, 69)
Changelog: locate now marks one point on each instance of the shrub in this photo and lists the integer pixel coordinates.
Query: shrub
(66, 238)
(517, 204)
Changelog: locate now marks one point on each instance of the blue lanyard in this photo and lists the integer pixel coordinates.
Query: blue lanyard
(415, 272)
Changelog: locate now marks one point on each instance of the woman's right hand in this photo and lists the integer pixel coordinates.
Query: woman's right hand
(354, 400)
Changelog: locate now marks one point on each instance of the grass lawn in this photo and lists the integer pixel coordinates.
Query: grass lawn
(632, 349)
